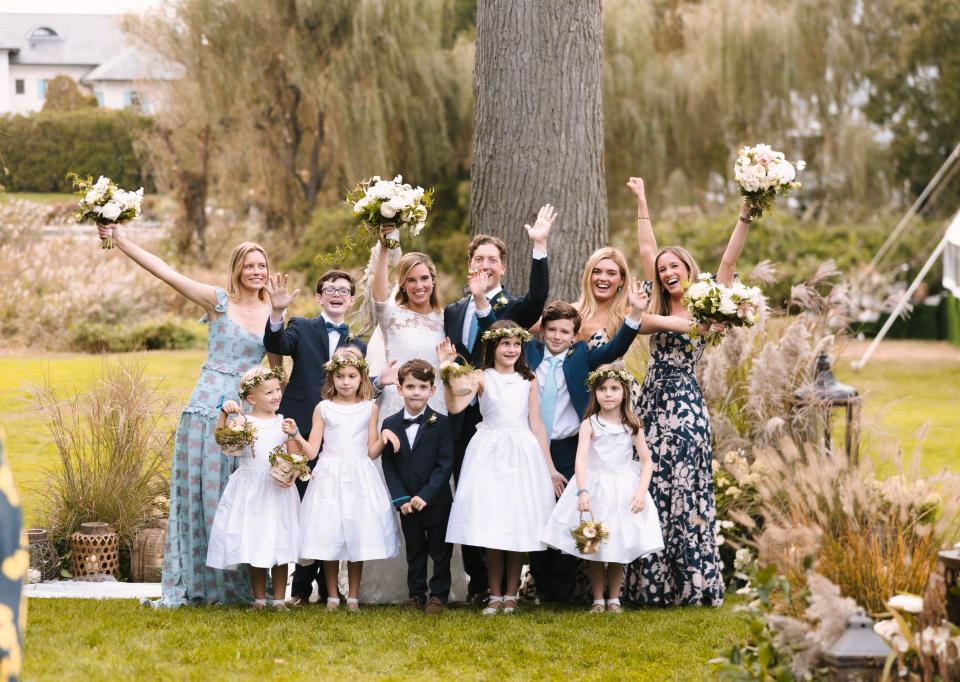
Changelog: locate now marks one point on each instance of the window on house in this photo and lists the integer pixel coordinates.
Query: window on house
(99, 95)
(42, 88)
(131, 98)
(19, 86)
(43, 33)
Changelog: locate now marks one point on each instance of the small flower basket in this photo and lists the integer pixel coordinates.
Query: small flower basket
(146, 558)
(43, 555)
(238, 434)
(288, 462)
(457, 376)
(94, 552)
(589, 534)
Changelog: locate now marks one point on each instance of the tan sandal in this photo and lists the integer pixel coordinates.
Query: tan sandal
(333, 603)
(494, 606)
(353, 604)
(613, 606)
(597, 606)
(510, 604)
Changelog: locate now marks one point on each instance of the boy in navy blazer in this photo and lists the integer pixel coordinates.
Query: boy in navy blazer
(561, 365)
(417, 462)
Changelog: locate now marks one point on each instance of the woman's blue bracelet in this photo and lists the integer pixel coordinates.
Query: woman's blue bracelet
(582, 490)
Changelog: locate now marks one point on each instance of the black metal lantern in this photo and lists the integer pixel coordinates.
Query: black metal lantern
(858, 654)
(827, 393)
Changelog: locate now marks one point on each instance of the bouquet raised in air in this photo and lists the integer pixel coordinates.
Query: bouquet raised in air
(286, 466)
(588, 534)
(719, 306)
(763, 174)
(238, 433)
(103, 203)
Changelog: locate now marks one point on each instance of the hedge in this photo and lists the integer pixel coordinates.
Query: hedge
(39, 149)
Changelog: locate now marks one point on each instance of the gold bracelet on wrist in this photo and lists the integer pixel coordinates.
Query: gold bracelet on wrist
(747, 219)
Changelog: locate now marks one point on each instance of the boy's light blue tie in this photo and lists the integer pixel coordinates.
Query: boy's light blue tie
(548, 402)
(472, 335)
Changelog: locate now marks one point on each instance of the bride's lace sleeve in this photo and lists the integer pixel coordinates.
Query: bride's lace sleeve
(384, 312)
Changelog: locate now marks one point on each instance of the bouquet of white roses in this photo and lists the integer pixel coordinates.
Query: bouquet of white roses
(103, 203)
(288, 462)
(714, 304)
(763, 174)
(378, 202)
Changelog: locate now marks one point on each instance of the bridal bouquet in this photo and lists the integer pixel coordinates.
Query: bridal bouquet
(378, 202)
(103, 203)
(589, 534)
(237, 434)
(764, 174)
(285, 466)
(719, 306)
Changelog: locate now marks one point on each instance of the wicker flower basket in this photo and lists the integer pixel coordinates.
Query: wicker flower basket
(94, 552)
(146, 559)
(43, 555)
(283, 470)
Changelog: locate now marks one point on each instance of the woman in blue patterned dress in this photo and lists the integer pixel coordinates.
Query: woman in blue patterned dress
(14, 560)
(677, 428)
(199, 473)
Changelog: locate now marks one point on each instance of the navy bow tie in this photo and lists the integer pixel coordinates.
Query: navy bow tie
(341, 328)
(414, 420)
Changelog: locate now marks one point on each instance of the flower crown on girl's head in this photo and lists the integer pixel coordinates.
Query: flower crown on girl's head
(505, 332)
(338, 362)
(256, 377)
(596, 378)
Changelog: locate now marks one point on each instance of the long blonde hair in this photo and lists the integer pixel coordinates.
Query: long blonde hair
(660, 301)
(587, 304)
(239, 254)
(407, 263)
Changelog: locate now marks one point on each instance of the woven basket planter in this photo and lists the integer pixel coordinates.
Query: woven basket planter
(283, 470)
(43, 555)
(146, 559)
(94, 552)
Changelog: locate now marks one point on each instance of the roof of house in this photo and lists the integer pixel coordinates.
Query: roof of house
(66, 39)
(133, 64)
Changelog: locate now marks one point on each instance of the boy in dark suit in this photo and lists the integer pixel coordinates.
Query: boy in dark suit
(561, 365)
(417, 461)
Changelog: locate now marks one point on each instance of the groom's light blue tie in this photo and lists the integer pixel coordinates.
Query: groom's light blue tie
(548, 402)
(474, 329)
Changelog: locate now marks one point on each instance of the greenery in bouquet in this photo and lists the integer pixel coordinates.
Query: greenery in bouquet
(376, 203)
(292, 462)
(103, 203)
(588, 534)
(720, 307)
(763, 174)
(238, 433)
(450, 371)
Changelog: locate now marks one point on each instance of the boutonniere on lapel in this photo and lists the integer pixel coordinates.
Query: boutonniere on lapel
(569, 352)
(499, 302)
(351, 338)
(432, 419)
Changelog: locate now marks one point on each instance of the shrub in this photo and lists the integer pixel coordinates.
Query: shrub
(112, 440)
(41, 148)
(168, 333)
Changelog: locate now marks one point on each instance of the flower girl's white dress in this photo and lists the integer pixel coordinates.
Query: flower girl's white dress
(505, 493)
(346, 511)
(257, 518)
(612, 480)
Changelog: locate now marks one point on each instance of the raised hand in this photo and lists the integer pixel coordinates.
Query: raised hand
(389, 375)
(639, 501)
(107, 231)
(390, 438)
(280, 298)
(479, 281)
(583, 502)
(231, 407)
(639, 300)
(446, 352)
(541, 228)
(636, 186)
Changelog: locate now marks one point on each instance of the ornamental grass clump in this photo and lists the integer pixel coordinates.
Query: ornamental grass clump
(113, 440)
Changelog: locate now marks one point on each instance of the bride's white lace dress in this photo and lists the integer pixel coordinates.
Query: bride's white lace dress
(405, 335)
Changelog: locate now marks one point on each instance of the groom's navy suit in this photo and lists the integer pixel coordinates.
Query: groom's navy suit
(524, 310)
(422, 469)
(307, 341)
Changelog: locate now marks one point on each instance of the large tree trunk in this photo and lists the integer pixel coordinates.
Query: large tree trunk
(538, 134)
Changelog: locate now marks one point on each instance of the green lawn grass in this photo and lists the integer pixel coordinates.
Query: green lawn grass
(39, 197)
(120, 640)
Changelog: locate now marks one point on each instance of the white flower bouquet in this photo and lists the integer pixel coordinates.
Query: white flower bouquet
(237, 434)
(763, 174)
(719, 307)
(287, 462)
(103, 203)
(378, 202)
(588, 534)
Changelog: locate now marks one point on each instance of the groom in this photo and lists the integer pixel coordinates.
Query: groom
(461, 324)
(311, 342)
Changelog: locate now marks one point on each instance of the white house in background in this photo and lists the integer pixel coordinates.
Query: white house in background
(90, 48)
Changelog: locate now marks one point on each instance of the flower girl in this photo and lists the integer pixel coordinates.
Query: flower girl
(257, 517)
(611, 486)
(346, 511)
(508, 484)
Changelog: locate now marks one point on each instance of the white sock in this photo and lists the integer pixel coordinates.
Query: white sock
(261, 602)
(278, 602)
(613, 601)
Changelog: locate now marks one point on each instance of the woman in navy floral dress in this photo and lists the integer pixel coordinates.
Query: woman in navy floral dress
(199, 472)
(677, 428)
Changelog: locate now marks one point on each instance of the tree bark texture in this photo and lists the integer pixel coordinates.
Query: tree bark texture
(538, 133)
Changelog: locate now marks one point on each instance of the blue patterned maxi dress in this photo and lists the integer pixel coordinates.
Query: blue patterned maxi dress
(200, 472)
(677, 430)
